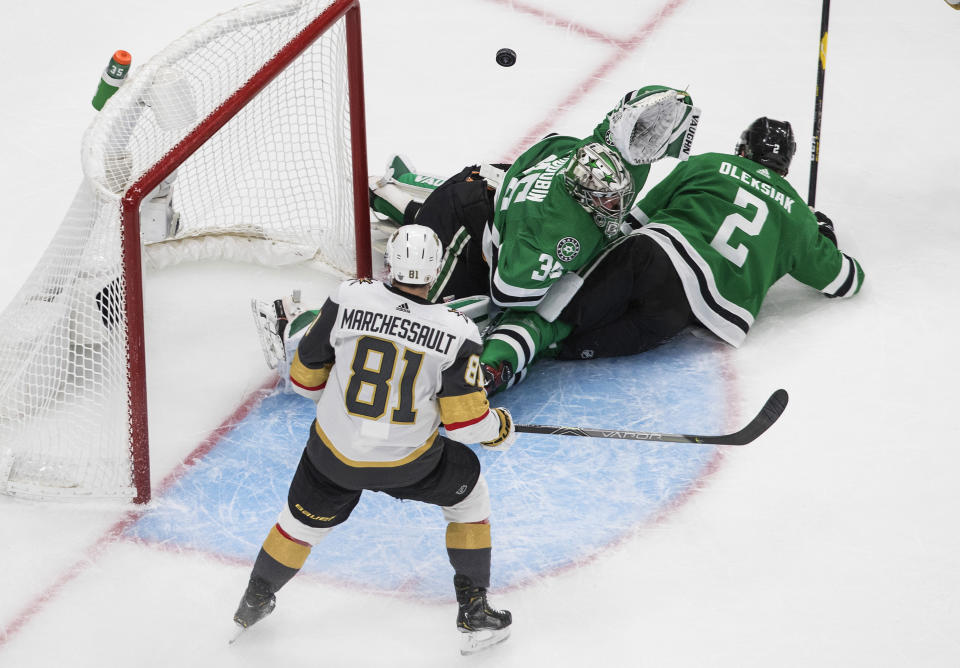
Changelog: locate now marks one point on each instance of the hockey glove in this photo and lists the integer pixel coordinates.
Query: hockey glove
(825, 227)
(496, 378)
(507, 435)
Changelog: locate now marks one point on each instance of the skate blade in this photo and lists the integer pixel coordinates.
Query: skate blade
(236, 633)
(472, 642)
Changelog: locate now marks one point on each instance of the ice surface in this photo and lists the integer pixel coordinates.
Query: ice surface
(558, 501)
(831, 541)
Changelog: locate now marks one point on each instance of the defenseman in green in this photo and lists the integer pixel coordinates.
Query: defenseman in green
(710, 241)
(386, 368)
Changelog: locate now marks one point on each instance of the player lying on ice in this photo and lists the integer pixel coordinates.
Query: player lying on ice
(704, 247)
(511, 231)
(397, 367)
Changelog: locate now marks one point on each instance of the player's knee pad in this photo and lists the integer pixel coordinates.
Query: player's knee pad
(474, 508)
(296, 529)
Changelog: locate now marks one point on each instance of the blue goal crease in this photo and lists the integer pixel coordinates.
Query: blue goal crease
(557, 501)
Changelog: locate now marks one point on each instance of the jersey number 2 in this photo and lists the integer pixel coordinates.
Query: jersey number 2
(369, 387)
(752, 226)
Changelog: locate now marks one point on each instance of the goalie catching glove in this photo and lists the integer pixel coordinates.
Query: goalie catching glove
(507, 434)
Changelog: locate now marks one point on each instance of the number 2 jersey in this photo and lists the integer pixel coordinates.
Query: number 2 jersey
(732, 228)
(386, 368)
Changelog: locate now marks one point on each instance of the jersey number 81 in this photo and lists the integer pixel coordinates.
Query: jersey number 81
(369, 388)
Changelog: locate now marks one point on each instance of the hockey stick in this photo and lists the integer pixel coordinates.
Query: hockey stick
(771, 410)
(818, 105)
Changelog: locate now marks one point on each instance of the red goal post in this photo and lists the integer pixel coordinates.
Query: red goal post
(243, 139)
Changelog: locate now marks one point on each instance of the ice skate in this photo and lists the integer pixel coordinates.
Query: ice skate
(481, 626)
(257, 602)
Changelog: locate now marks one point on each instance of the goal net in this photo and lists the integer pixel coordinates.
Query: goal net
(244, 139)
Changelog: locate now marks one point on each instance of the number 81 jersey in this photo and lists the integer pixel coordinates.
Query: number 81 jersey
(387, 367)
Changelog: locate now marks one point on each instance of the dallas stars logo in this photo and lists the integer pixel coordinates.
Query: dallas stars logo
(600, 171)
(568, 248)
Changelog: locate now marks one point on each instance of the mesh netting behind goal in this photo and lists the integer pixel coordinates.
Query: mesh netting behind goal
(241, 140)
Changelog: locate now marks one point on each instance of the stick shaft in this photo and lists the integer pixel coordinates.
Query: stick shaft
(769, 414)
(818, 105)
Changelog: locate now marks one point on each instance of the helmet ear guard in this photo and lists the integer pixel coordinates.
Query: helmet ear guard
(596, 178)
(770, 143)
(413, 255)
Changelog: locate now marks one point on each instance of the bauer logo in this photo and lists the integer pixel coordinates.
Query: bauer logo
(568, 248)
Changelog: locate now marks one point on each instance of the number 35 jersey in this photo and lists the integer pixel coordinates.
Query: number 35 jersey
(732, 228)
(387, 368)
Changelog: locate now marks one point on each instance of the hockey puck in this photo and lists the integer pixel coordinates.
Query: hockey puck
(506, 57)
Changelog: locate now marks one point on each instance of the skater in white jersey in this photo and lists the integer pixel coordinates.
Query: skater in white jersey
(386, 368)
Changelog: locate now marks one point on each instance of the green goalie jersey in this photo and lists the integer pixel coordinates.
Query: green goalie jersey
(732, 228)
(539, 231)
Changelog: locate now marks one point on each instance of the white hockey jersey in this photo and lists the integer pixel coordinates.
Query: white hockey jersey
(389, 368)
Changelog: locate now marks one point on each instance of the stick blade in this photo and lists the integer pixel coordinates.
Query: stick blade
(771, 411)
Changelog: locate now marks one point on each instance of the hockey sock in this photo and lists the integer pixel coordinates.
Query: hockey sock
(468, 547)
(280, 558)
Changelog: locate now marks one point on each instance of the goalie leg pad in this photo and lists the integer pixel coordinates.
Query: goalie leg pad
(271, 323)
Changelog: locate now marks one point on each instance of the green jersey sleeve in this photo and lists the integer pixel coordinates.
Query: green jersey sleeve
(732, 228)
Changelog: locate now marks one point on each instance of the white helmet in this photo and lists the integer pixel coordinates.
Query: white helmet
(413, 255)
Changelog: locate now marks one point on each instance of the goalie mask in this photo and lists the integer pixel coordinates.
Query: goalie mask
(413, 255)
(597, 179)
(770, 143)
(653, 122)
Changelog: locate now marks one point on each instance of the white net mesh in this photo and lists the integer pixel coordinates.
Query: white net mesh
(273, 185)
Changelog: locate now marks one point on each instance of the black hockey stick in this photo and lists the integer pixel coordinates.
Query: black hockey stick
(771, 410)
(818, 105)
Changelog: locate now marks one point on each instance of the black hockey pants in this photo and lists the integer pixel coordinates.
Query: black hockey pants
(632, 301)
(457, 211)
